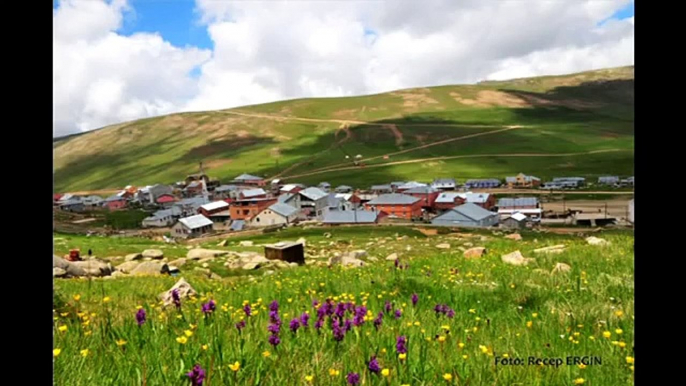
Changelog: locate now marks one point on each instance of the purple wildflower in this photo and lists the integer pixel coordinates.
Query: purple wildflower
(240, 325)
(348, 325)
(353, 379)
(315, 303)
(274, 317)
(176, 298)
(396, 263)
(415, 299)
(378, 320)
(274, 340)
(140, 316)
(209, 307)
(304, 318)
(401, 345)
(398, 314)
(388, 307)
(338, 332)
(450, 313)
(374, 365)
(274, 329)
(340, 310)
(319, 323)
(294, 325)
(197, 375)
(247, 310)
(274, 306)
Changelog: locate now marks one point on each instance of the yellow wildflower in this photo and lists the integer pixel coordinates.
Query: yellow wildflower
(385, 372)
(630, 360)
(84, 352)
(205, 347)
(582, 366)
(619, 331)
(402, 357)
(56, 352)
(383, 350)
(529, 324)
(447, 328)
(266, 354)
(607, 334)
(622, 344)
(460, 345)
(334, 372)
(472, 311)
(448, 377)
(309, 378)
(188, 333)
(121, 342)
(235, 367)
(465, 356)
(106, 299)
(182, 339)
(579, 381)
(441, 339)
(535, 315)
(62, 328)
(619, 313)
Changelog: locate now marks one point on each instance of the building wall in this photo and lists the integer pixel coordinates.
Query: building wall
(457, 220)
(402, 211)
(115, 205)
(242, 212)
(268, 217)
(427, 200)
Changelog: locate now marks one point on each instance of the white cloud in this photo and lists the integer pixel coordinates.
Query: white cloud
(267, 51)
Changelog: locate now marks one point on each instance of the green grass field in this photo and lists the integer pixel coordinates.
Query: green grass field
(499, 311)
(578, 124)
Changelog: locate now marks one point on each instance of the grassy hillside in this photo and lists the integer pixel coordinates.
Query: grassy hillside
(579, 124)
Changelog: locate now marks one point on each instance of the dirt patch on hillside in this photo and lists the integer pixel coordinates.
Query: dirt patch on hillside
(415, 98)
(491, 98)
(396, 133)
(217, 163)
(275, 152)
(343, 114)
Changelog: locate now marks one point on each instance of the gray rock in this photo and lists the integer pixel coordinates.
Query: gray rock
(515, 258)
(133, 256)
(185, 290)
(153, 254)
(392, 257)
(474, 253)
(94, 267)
(246, 243)
(127, 267)
(597, 241)
(561, 268)
(200, 253)
(178, 262)
(222, 244)
(58, 272)
(443, 246)
(150, 268)
(552, 249)
(514, 236)
(116, 274)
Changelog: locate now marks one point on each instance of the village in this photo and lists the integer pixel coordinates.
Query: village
(200, 206)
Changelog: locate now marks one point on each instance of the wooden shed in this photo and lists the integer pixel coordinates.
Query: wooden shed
(286, 251)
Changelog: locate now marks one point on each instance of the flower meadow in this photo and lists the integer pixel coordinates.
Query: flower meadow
(435, 318)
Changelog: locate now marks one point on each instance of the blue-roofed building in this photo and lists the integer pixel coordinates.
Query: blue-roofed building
(528, 206)
(570, 182)
(444, 184)
(467, 215)
(343, 189)
(488, 183)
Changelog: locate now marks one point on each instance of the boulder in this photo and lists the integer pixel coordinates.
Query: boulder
(116, 274)
(345, 260)
(214, 276)
(58, 272)
(250, 266)
(178, 262)
(203, 270)
(475, 253)
(222, 244)
(206, 260)
(71, 269)
(468, 244)
(552, 249)
(443, 246)
(392, 257)
(153, 254)
(94, 267)
(358, 254)
(561, 268)
(149, 268)
(597, 241)
(327, 235)
(133, 256)
(173, 269)
(200, 253)
(268, 272)
(127, 267)
(515, 258)
(514, 236)
(246, 243)
(185, 291)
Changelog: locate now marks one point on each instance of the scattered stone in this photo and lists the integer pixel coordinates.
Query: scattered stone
(597, 241)
(515, 258)
(392, 257)
(269, 272)
(468, 244)
(178, 262)
(250, 266)
(475, 253)
(552, 249)
(58, 272)
(94, 267)
(153, 254)
(461, 248)
(133, 256)
(150, 268)
(443, 246)
(206, 260)
(561, 268)
(372, 258)
(203, 270)
(72, 270)
(127, 267)
(327, 235)
(214, 276)
(246, 243)
(116, 274)
(358, 254)
(185, 290)
(514, 236)
(200, 253)
(222, 244)
(205, 265)
(408, 248)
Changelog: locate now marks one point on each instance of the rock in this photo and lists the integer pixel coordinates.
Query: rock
(468, 244)
(358, 254)
(592, 240)
(133, 256)
(206, 260)
(345, 260)
(185, 291)
(58, 272)
(178, 262)
(269, 272)
(116, 274)
(203, 270)
(514, 236)
(461, 248)
(127, 267)
(200, 253)
(515, 258)
(149, 268)
(474, 253)
(561, 268)
(174, 269)
(205, 265)
(409, 248)
(94, 267)
(301, 241)
(327, 235)
(372, 258)
(71, 269)
(443, 246)
(250, 266)
(246, 243)
(552, 249)
(484, 238)
(222, 244)
(153, 254)
(392, 257)
(214, 276)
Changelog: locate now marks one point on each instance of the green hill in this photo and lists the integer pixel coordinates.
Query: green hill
(578, 124)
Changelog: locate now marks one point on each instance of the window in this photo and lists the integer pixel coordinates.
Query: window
(257, 219)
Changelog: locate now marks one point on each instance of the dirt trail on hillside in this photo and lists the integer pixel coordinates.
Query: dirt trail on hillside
(453, 157)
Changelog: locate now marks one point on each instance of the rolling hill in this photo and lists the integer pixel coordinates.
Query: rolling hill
(578, 124)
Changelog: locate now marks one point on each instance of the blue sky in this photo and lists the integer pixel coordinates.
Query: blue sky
(620, 14)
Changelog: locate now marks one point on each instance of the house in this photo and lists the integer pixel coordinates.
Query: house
(72, 205)
(381, 189)
(608, 180)
(426, 194)
(631, 211)
(627, 181)
(357, 216)
(522, 181)
(193, 226)
(189, 206)
(313, 203)
(165, 200)
(247, 179)
(157, 191)
(92, 202)
(397, 205)
(343, 201)
(252, 193)
(325, 186)
(467, 215)
(366, 197)
(444, 184)
(484, 200)
(291, 188)
(195, 188)
(56, 198)
(245, 209)
(276, 214)
(217, 211)
(222, 192)
(162, 218)
(570, 182)
(516, 221)
(409, 185)
(395, 185)
(343, 189)
(290, 199)
(488, 183)
(528, 206)
(196, 177)
(115, 202)
(448, 200)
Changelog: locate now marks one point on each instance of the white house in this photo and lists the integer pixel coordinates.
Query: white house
(192, 226)
(276, 214)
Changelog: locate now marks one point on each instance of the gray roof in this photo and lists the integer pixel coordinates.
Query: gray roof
(473, 211)
(421, 190)
(237, 225)
(476, 197)
(114, 198)
(225, 188)
(411, 184)
(397, 183)
(349, 216)
(285, 197)
(71, 202)
(325, 184)
(313, 193)
(514, 202)
(393, 199)
(247, 177)
(194, 222)
(345, 187)
(440, 181)
(173, 211)
(332, 200)
(560, 179)
(486, 180)
(283, 209)
(192, 201)
(381, 187)
(447, 197)
(247, 193)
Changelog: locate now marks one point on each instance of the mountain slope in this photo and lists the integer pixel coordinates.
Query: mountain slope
(578, 124)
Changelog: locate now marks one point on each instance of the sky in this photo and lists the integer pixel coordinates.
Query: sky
(120, 60)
